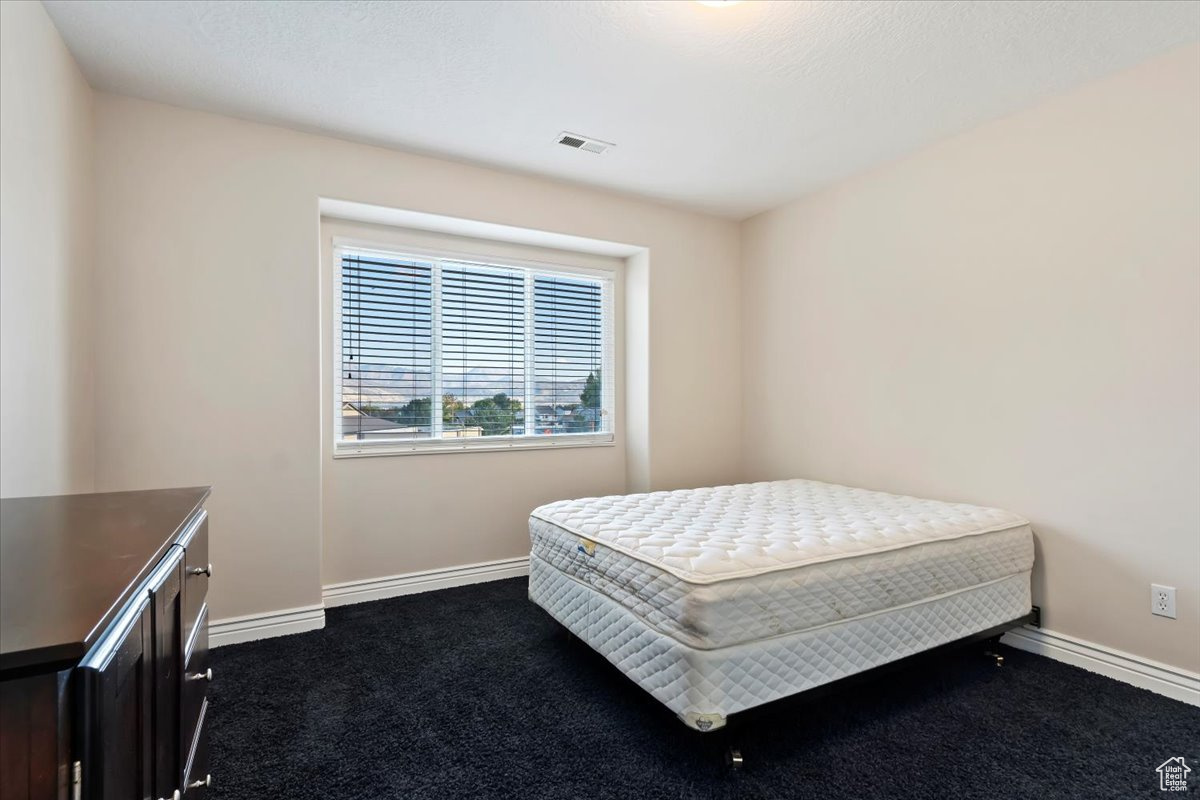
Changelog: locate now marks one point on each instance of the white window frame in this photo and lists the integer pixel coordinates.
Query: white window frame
(436, 444)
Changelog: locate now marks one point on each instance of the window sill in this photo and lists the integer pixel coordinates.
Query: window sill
(341, 450)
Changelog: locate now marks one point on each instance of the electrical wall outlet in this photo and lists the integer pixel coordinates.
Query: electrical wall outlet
(1162, 600)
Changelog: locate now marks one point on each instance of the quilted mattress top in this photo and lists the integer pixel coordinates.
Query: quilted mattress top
(725, 532)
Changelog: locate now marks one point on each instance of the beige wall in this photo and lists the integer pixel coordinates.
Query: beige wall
(46, 260)
(1010, 317)
(209, 360)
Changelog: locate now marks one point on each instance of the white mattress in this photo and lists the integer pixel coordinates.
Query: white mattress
(722, 566)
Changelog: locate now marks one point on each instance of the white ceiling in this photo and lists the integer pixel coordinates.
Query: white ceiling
(729, 110)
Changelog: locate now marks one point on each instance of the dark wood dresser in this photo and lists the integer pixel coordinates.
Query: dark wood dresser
(104, 646)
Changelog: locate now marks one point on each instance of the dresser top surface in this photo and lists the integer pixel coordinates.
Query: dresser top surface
(69, 562)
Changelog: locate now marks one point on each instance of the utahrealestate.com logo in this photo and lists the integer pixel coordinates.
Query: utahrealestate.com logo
(1173, 775)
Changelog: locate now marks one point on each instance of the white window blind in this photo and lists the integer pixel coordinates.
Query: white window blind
(387, 346)
(457, 354)
(483, 350)
(568, 354)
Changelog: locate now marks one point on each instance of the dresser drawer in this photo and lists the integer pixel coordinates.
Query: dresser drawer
(196, 572)
(196, 677)
(197, 781)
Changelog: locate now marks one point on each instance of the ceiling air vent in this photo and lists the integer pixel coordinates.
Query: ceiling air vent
(583, 143)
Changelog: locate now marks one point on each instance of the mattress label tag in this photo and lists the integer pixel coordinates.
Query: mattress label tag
(587, 547)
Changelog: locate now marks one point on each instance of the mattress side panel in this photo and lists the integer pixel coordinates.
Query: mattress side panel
(665, 602)
(654, 661)
(710, 616)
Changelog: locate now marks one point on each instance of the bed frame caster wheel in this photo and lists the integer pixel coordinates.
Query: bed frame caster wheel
(999, 659)
(733, 759)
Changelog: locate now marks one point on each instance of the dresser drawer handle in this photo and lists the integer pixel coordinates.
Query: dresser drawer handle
(202, 570)
(201, 676)
(201, 784)
(175, 795)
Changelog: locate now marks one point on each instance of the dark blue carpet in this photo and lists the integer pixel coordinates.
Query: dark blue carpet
(475, 692)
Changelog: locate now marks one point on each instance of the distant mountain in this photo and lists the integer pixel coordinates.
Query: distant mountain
(383, 384)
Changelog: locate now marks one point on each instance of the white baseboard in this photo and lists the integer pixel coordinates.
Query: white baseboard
(236, 630)
(343, 594)
(1173, 682)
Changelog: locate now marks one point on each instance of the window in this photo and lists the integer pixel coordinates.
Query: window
(439, 353)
